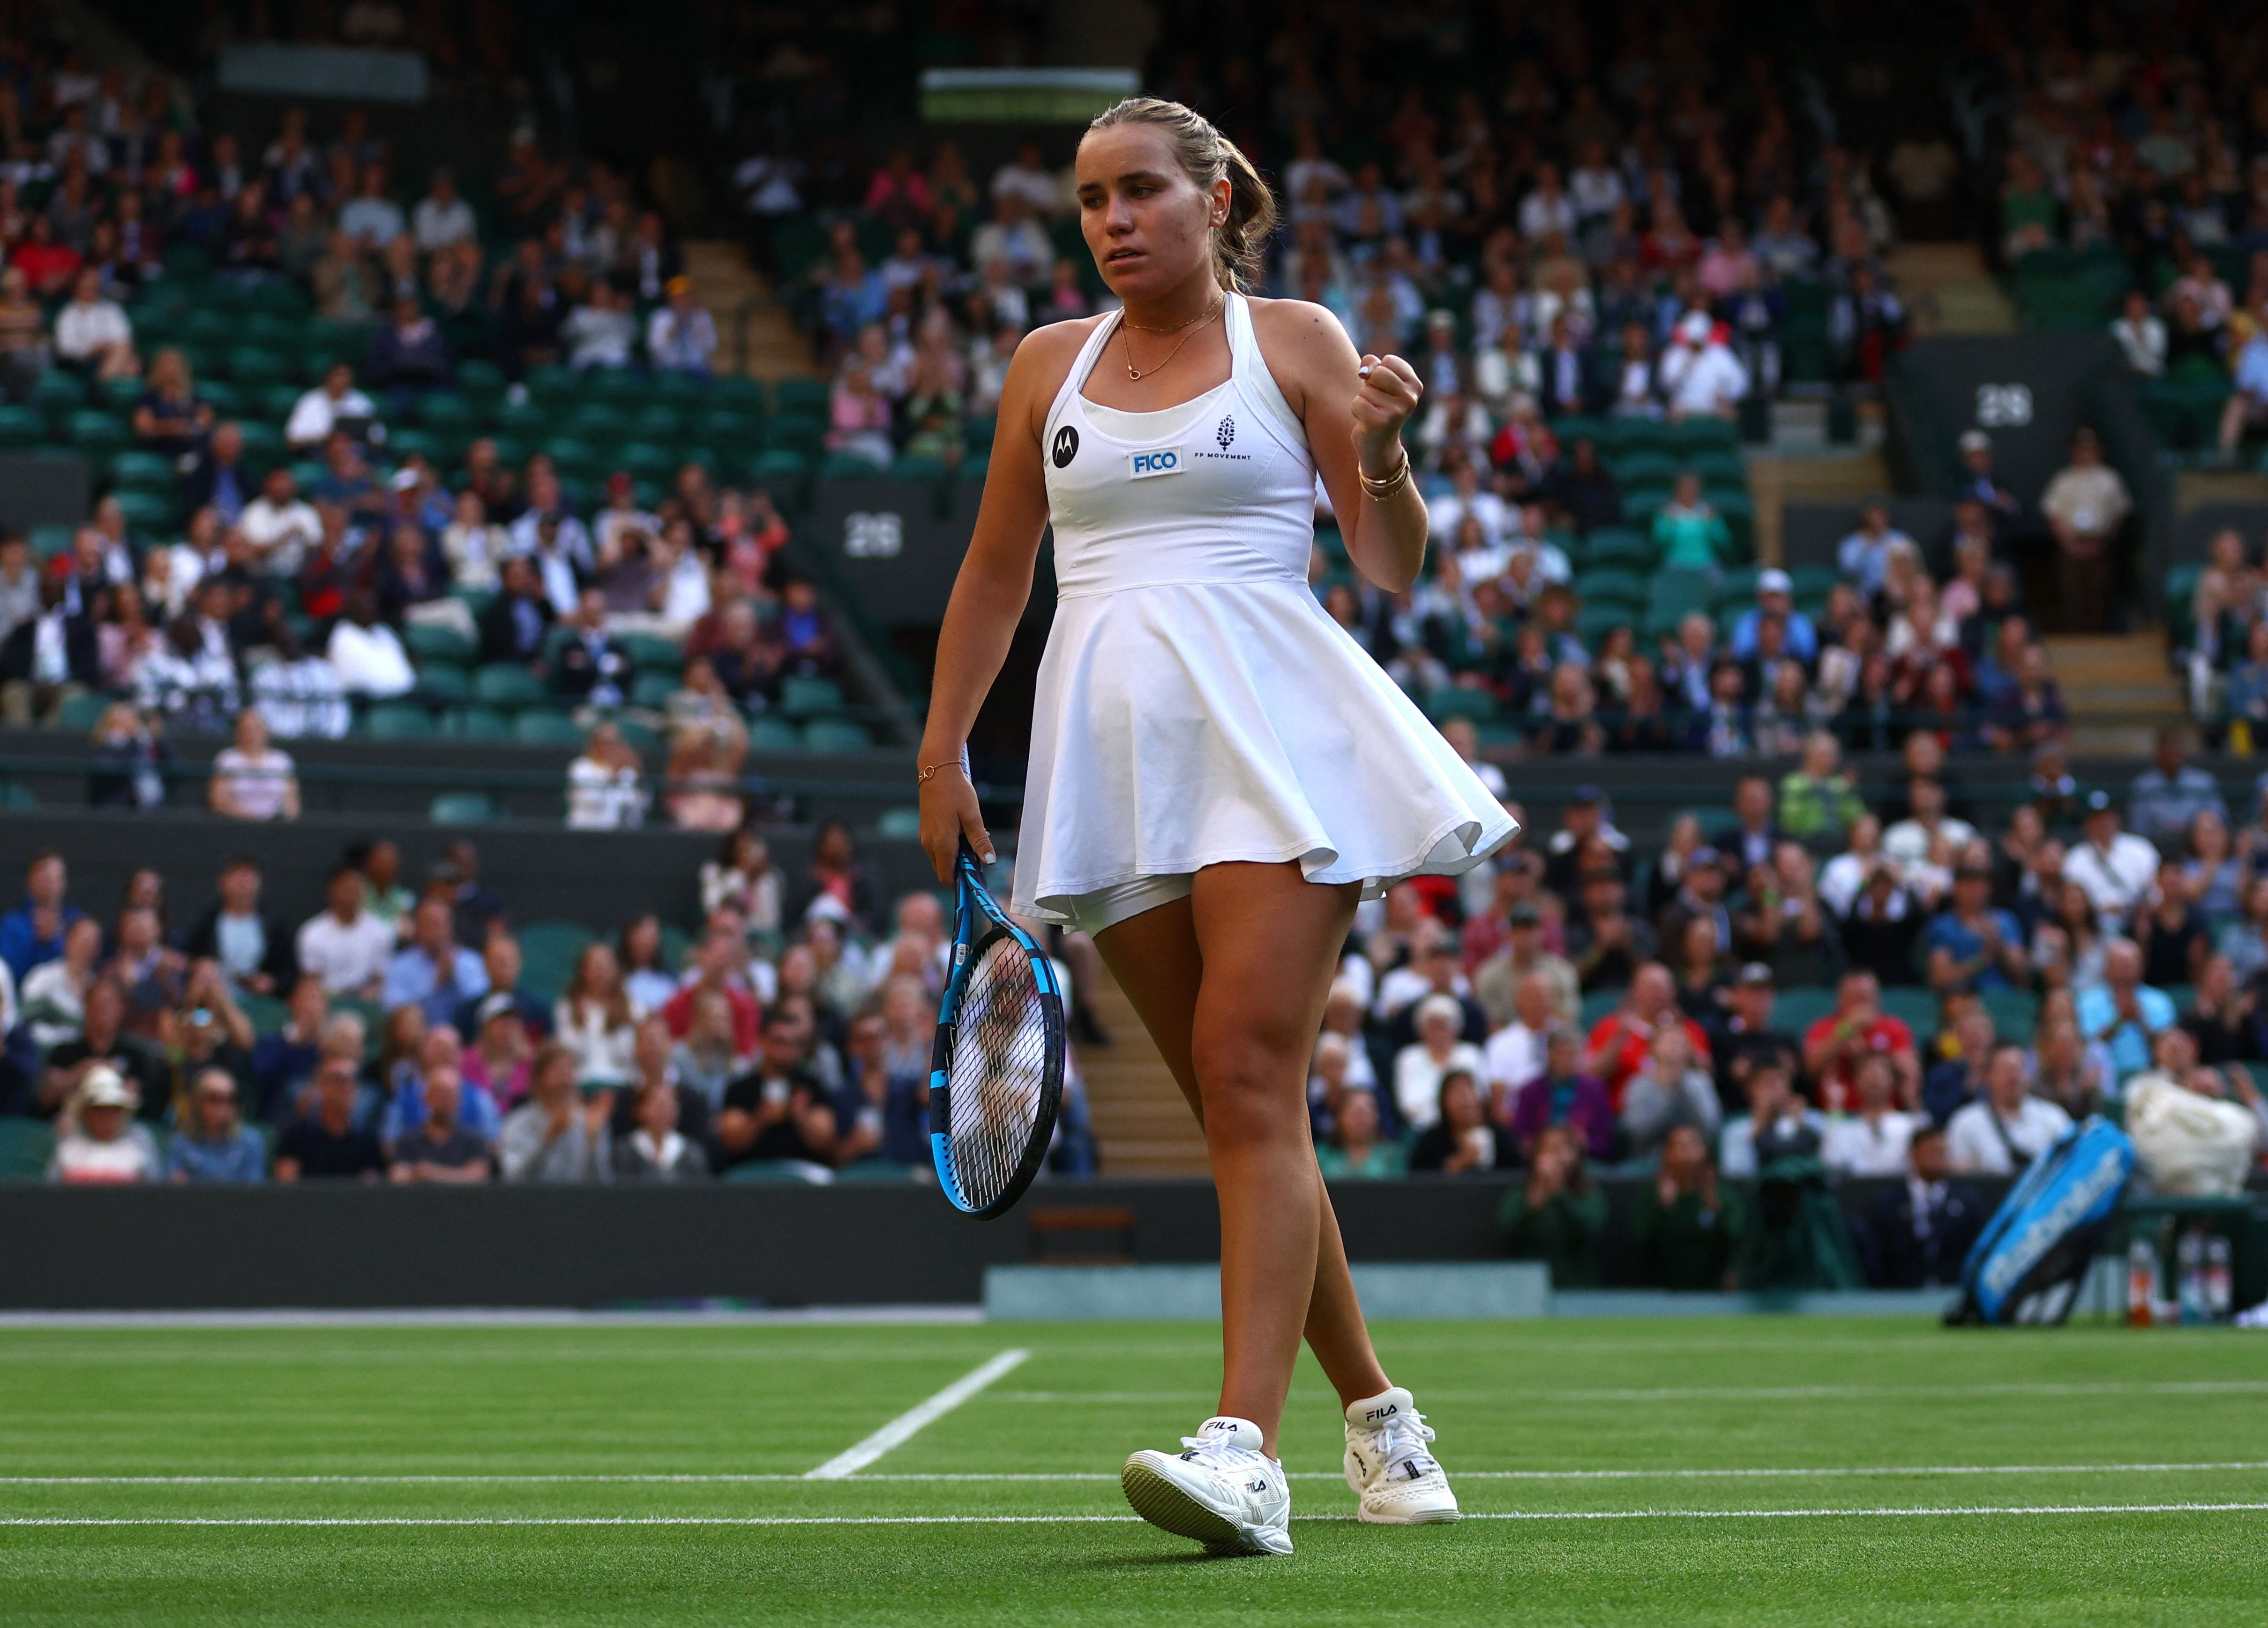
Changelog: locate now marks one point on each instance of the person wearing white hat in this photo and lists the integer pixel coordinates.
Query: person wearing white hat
(103, 1146)
(1700, 374)
(1774, 598)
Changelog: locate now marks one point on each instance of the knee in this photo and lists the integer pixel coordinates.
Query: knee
(1251, 1088)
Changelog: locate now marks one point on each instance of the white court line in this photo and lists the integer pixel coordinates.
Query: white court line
(903, 1428)
(1754, 1393)
(1833, 1471)
(756, 1521)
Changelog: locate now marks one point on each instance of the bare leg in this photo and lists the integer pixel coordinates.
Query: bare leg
(1236, 1017)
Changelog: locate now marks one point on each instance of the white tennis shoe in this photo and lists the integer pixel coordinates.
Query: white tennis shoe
(1390, 1465)
(1221, 1489)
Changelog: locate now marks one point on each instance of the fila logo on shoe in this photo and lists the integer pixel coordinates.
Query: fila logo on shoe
(1255, 1486)
(1372, 1415)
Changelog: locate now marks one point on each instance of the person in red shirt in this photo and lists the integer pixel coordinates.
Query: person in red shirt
(719, 955)
(1858, 1026)
(1621, 1042)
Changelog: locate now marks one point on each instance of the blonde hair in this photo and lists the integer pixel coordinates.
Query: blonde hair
(1209, 157)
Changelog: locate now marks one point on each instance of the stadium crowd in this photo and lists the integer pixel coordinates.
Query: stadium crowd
(417, 1033)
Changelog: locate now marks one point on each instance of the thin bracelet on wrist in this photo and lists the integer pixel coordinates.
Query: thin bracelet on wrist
(1383, 487)
(923, 778)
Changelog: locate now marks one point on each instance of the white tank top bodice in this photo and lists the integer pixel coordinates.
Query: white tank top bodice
(1219, 489)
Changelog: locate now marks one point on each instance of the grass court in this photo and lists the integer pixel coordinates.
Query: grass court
(1735, 1471)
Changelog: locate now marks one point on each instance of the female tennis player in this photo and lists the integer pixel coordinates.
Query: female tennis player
(1218, 771)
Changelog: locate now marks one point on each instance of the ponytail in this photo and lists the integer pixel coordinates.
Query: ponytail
(1240, 243)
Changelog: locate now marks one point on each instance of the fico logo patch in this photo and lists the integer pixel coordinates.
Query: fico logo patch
(1164, 461)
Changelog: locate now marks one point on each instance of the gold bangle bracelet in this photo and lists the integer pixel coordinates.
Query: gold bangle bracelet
(1385, 486)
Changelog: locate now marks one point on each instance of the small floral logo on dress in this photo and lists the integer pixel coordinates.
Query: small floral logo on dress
(1226, 432)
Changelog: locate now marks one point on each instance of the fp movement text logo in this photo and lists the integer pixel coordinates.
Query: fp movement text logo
(872, 537)
(1226, 432)
(1167, 461)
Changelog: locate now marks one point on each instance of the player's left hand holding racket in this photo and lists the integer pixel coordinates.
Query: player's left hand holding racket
(997, 1067)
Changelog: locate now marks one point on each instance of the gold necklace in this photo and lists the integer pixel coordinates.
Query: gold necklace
(1133, 373)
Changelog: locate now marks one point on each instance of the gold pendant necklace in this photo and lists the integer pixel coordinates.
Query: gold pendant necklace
(1136, 375)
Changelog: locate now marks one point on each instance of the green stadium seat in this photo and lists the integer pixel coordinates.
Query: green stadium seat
(657, 421)
(26, 1147)
(2015, 1012)
(119, 395)
(59, 391)
(273, 331)
(795, 433)
(263, 444)
(917, 467)
(768, 733)
(502, 683)
(1452, 701)
(1796, 1010)
(1646, 467)
(253, 369)
(646, 460)
(735, 431)
(541, 727)
(808, 396)
(1697, 435)
(898, 822)
(398, 720)
(740, 394)
(530, 420)
(148, 514)
(445, 682)
(267, 1013)
(81, 712)
(599, 425)
(1598, 586)
(778, 467)
(479, 723)
(21, 427)
(48, 542)
(1619, 548)
(651, 652)
(803, 696)
(462, 808)
(652, 689)
(1593, 622)
(547, 953)
(975, 468)
(99, 435)
(834, 734)
(1737, 587)
(556, 388)
(141, 471)
(428, 642)
(1914, 1006)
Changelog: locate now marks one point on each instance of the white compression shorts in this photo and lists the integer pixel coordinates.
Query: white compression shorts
(1107, 907)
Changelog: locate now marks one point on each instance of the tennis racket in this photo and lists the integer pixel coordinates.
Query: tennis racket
(997, 1069)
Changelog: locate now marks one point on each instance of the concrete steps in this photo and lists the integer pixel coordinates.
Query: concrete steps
(724, 286)
(1949, 290)
(1142, 1124)
(2117, 688)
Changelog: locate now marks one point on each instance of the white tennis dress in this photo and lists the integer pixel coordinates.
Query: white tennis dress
(1196, 706)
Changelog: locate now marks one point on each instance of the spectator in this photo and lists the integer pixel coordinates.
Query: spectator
(1621, 1042)
(1779, 1124)
(280, 525)
(886, 1107)
(1918, 1234)
(1667, 1092)
(50, 658)
(332, 405)
(33, 932)
(1833, 1046)
(776, 1111)
(440, 1148)
(1562, 1096)
(92, 334)
(595, 1019)
(368, 655)
(1686, 1230)
(1354, 1151)
(432, 972)
(1971, 946)
(515, 626)
(602, 331)
(606, 785)
(2005, 1130)
(2085, 505)
(1688, 532)
(1699, 372)
(442, 219)
(2114, 868)
(655, 1151)
(2166, 798)
(1460, 1138)
(2122, 1012)
(2141, 339)
(169, 420)
(347, 946)
(216, 1145)
(1817, 801)
(1437, 1050)
(1865, 554)
(2247, 406)
(327, 1145)
(681, 337)
(1872, 1138)
(53, 996)
(251, 946)
(251, 780)
(407, 354)
(101, 1145)
(555, 1135)
(1555, 1215)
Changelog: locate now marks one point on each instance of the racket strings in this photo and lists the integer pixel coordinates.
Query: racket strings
(997, 1074)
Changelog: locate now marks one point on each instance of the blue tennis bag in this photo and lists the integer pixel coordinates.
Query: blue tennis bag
(2027, 1263)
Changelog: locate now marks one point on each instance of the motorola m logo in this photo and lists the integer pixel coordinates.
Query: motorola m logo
(873, 536)
(1066, 446)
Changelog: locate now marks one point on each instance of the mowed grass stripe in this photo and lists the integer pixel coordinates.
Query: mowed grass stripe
(1882, 1513)
(1461, 1474)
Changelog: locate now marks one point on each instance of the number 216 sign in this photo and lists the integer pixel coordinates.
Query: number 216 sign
(2004, 407)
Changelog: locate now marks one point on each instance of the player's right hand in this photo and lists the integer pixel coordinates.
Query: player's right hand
(949, 812)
